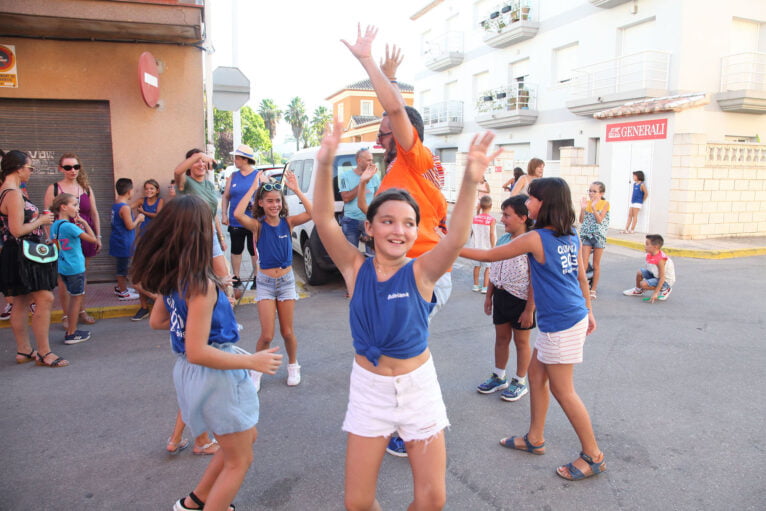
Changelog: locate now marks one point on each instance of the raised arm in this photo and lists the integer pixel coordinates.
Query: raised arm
(361, 196)
(179, 173)
(291, 181)
(434, 263)
(240, 211)
(387, 92)
(225, 198)
(345, 256)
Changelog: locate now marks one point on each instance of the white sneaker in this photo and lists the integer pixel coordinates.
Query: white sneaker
(664, 294)
(293, 374)
(634, 291)
(127, 295)
(256, 377)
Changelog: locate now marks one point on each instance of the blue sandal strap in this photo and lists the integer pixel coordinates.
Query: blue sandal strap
(596, 468)
(531, 447)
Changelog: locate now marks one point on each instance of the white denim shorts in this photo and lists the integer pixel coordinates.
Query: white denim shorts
(564, 347)
(636, 205)
(410, 404)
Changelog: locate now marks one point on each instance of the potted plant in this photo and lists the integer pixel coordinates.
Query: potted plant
(523, 97)
(485, 24)
(525, 12)
(494, 15)
(506, 8)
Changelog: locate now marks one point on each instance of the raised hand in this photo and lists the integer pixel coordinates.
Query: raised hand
(368, 173)
(266, 361)
(330, 141)
(290, 180)
(478, 159)
(584, 203)
(363, 46)
(391, 63)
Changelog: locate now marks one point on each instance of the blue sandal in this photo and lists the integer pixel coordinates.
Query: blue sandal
(510, 443)
(575, 474)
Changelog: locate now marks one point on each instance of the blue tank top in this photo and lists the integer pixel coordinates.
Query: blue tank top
(149, 209)
(223, 326)
(558, 296)
(238, 187)
(121, 239)
(274, 245)
(388, 318)
(638, 195)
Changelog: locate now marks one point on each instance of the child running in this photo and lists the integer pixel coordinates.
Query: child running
(271, 227)
(68, 230)
(564, 319)
(394, 387)
(513, 313)
(594, 220)
(637, 199)
(215, 392)
(483, 237)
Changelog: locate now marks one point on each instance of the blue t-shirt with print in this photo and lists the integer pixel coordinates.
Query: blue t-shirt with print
(348, 181)
(71, 258)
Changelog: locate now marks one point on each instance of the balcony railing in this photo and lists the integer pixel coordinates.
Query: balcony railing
(506, 106)
(643, 70)
(744, 71)
(443, 118)
(513, 22)
(444, 52)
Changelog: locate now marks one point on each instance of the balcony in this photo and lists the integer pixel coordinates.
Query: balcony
(508, 106)
(443, 118)
(444, 52)
(613, 82)
(608, 4)
(743, 83)
(516, 21)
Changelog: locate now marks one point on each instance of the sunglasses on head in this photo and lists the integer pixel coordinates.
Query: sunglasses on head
(70, 167)
(267, 187)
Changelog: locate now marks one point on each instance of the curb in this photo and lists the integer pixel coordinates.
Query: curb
(696, 254)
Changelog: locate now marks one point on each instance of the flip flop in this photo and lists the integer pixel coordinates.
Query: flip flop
(510, 443)
(575, 474)
(177, 447)
(204, 449)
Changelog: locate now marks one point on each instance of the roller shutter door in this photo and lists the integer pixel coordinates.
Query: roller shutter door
(48, 128)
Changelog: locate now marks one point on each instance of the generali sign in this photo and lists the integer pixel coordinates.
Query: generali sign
(640, 130)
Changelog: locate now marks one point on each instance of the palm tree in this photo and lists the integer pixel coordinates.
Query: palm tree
(297, 118)
(271, 117)
(322, 117)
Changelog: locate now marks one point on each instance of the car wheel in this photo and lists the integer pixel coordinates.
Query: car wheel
(314, 274)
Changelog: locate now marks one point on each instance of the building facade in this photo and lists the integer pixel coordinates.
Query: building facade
(601, 88)
(76, 86)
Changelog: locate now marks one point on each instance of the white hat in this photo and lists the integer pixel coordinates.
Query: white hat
(245, 151)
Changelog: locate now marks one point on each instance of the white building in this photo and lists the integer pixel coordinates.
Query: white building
(600, 88)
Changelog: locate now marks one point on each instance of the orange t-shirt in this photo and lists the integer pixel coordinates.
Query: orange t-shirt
(407, 172)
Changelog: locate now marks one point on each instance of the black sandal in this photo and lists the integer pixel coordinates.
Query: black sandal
(180, 504)
(59, 362)
(28, 357)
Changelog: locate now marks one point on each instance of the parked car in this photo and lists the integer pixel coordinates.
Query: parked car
(305, 240)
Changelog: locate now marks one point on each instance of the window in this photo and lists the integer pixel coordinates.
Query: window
(593, 150)
(425, 98)
(297, 168)
(366, 107)
(518, 71)
(638, 37)
(480, 83)
(565, 60)
(450, 91)
(308, 168)
(340, 112)
(448, 154)
(554, 148)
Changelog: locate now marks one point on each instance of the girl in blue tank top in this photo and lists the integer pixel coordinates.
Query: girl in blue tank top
(272, 226)
(211, 377)
(394, 387)
(638, 196)
(151, 204)
(564, 318)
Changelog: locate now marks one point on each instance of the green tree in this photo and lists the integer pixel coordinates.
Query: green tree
(322, 117)
(297, 119)
(271, 116)
(254, 132)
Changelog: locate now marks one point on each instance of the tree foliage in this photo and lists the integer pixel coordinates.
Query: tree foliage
(297, 119)
(254, 132)
(271, 116)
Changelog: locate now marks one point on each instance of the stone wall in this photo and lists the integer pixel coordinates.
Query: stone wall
(717, 190)
(577, 174)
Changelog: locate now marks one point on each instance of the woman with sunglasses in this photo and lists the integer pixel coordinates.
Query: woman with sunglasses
(75, 182)
(271, 228)
(29, 282)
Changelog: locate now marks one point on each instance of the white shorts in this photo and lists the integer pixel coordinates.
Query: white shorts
(636, 205)
(410, 404)
(564, 347)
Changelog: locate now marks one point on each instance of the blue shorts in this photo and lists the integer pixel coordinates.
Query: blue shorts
(593, 241)
(281, 289)
(215, 400)
(75, 284)
(123, 263)
(652, 280)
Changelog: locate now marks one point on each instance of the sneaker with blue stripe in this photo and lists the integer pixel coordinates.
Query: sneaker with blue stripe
(515, 391)
(493, 384)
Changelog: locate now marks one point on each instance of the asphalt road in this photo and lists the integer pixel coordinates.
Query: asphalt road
(674, 390)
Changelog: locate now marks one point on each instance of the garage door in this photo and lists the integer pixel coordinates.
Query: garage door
(48, 128)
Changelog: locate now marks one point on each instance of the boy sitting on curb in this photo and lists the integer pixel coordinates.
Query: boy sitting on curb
(659, 274)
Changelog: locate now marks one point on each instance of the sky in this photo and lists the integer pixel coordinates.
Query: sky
(291, 48)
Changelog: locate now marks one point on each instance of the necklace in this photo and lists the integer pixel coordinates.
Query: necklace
(385, 275)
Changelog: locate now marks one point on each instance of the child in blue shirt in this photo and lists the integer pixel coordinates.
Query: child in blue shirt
(68, 230)
(123, 235)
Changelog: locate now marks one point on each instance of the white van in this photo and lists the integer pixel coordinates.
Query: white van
(305, 240)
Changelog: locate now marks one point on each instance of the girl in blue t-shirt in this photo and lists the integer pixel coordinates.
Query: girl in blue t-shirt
(564, 318)
(272, 227)
(150, 204)
(394, 388)
(215, 392)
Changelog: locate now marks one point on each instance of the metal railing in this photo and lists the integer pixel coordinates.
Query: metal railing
(508, 98)
(647, 69)
(509, 12)
(443, 46)
(744, 71)
(443, 113)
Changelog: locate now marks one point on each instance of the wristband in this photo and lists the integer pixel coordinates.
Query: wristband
(394, 81)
